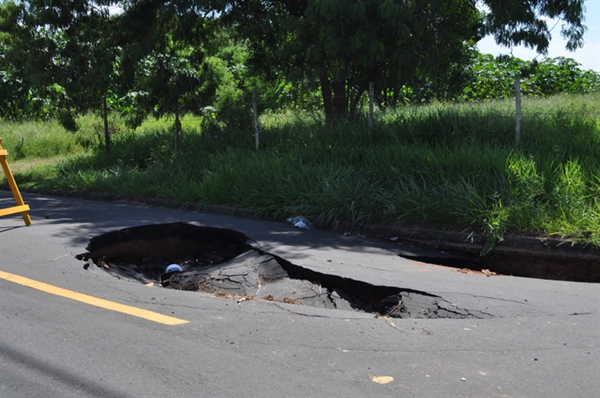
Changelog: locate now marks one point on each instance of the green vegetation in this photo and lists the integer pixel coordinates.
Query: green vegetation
(37, 139)
(445, 166)
(493, 78)
(190, 56)
(441, 153)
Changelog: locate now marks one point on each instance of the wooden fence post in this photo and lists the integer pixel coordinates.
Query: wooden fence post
(371, 99)
(518, 110)
(256, 131)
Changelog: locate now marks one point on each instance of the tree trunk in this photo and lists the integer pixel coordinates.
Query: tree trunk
(335, 99)
(327, 98)
(355, 98)
(340, 100)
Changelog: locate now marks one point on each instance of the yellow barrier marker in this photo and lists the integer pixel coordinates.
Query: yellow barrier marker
(21, 206)
(91, 300)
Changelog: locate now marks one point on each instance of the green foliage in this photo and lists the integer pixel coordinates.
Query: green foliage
(343, 45)
(18, 97)
(526, 22)
(189, 56)
(14, 96)
(231, 105)
(170, 70)
(490, 78)
(563, 75)
(484, 78)
(37, 139)
(450, 166)
(82, 59)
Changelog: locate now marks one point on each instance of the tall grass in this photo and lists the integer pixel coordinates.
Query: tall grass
(36, 139)
(440, 166)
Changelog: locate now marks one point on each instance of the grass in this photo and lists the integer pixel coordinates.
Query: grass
(38, 140)
(441, 166)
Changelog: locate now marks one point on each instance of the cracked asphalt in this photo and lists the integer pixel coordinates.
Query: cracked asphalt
(220, 261)
(504, 336)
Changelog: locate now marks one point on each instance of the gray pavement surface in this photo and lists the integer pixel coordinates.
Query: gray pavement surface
(540, 338)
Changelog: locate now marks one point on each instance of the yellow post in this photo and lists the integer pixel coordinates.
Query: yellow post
(21, 206)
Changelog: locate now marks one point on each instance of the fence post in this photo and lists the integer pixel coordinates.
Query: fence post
(256, 131)
(371, 95)
(518, 105)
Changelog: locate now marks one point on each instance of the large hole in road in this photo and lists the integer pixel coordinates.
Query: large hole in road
(224, 263)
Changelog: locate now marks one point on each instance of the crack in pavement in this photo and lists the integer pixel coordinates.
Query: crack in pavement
(221, 262)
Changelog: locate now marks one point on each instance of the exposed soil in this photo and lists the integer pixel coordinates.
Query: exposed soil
(526, 256)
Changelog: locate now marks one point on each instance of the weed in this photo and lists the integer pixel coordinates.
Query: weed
(443, 166)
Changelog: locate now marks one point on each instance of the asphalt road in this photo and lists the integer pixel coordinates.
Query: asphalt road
(539, 338)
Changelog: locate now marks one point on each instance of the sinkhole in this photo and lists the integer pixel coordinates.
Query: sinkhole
(223, 262)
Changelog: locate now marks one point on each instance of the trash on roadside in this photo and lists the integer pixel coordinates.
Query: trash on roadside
(301, 222)
(173, 268)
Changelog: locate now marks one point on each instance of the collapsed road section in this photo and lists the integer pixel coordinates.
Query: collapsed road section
(224, 263)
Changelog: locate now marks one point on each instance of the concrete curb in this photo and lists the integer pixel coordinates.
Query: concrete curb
(529, 256)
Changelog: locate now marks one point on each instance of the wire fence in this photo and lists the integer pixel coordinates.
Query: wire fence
(524, 114)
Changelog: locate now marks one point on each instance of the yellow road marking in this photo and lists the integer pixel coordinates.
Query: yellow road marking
(91, 300)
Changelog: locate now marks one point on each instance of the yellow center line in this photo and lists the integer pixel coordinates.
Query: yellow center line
(91, 300)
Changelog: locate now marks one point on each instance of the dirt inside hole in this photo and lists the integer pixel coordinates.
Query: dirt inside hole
(539, 257)
(224, 263)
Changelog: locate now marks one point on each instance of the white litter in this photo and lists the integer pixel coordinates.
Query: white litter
(300, 222)
(174, 268)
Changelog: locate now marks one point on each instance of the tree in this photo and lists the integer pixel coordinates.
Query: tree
(526, 22)
(170, 65)
(15, 95)
(71, 53)
(81, 56)
(493, 78)
(165, 84)
(346, 44)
